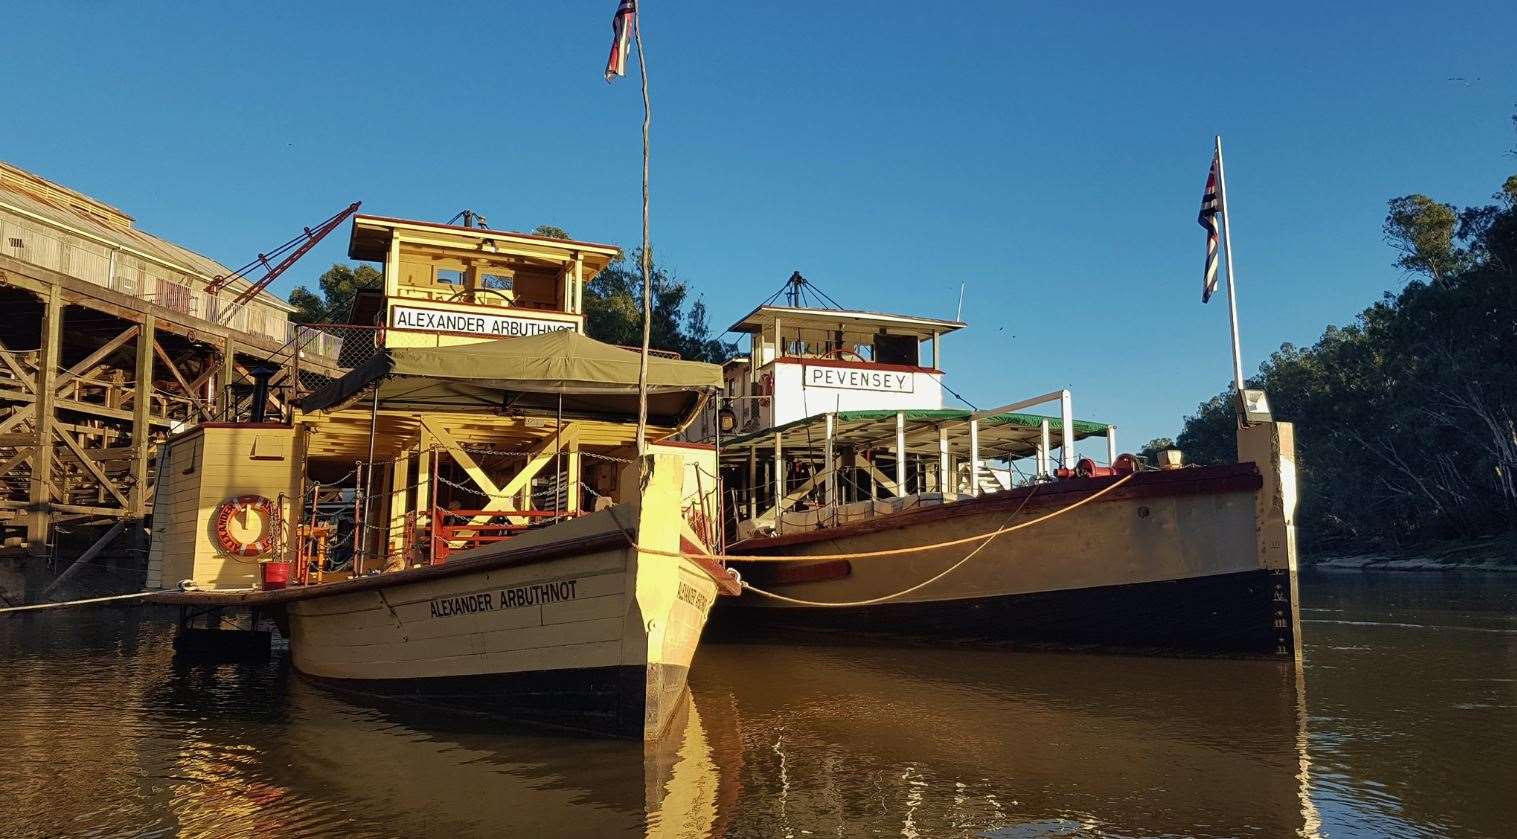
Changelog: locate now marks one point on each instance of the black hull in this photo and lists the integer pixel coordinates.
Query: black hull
(624, 701)
(1245, 614)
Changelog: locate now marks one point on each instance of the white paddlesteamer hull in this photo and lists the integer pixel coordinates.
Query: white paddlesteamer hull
(1169, 560)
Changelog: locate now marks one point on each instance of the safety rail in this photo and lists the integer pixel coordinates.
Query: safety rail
(447, 537)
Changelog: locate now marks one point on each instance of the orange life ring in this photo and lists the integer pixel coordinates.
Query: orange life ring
(228, 542)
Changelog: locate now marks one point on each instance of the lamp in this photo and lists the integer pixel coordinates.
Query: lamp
(1253, 406)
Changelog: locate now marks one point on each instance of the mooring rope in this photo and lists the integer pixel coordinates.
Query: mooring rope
(940, 575)
(896, 551)
(85, 602)
(986, 537)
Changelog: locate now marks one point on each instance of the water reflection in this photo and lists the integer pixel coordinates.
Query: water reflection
(1402, 726)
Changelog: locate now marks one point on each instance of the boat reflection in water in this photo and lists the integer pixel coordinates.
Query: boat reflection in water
(454, 775)
(846, 741)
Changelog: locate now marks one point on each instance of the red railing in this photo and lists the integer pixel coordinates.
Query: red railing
(472, 534)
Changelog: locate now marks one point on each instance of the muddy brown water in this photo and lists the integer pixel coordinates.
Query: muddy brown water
(1405, 724)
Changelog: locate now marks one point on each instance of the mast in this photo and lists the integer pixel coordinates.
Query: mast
(642, 363)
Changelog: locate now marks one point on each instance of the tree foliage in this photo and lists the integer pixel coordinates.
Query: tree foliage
(338, 285)
(614, 304)
(1406, 420)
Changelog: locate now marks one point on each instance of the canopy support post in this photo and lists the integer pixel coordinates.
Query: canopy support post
(779, 482)
(974, 457)
(943, 459)
(1067, 420)
(752, 479)
(900, 453)
(1111, 445)
(829, 477)
(1045, 447)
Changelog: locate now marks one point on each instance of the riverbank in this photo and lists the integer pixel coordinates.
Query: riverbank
(1491, 553)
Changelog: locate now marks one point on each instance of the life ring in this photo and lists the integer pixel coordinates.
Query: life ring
(228, 542)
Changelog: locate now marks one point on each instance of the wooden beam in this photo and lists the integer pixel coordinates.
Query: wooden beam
(16, 460)
(228, 372)
(91, 467)
(94, 358)
(18, 416)
(16, 369)
(499, 497)
(147, 342)
(40, 512)
(178, 377)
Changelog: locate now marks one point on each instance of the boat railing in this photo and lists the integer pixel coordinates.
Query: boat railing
(456, 530)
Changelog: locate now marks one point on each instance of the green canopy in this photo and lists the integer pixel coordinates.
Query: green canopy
(525, 375)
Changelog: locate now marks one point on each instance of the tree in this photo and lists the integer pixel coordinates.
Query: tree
(613, 313)
(1407, 418)
(338, 284)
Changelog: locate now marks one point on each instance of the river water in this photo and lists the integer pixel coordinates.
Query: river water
(1405, 724)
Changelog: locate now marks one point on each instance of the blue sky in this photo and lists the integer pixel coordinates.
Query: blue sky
(1051, 159)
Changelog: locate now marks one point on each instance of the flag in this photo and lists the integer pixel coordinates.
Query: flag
(621, 29)
(1210, 204)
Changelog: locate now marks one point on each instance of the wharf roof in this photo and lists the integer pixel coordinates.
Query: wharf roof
(30, 195)
(1013, 435)
(856, 324)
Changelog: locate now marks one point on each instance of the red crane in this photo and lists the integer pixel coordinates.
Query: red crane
(290, 251)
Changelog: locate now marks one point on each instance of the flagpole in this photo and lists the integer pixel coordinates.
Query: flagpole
(642, 364)
(1227, 249)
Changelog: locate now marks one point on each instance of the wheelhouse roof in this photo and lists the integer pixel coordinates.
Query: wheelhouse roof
(857, 325)
(371, 235)
(1013, 435)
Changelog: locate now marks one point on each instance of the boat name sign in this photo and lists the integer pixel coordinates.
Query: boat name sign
(537, 594)
(850, 378)
(418, 319)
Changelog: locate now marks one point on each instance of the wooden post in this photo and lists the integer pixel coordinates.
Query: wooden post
(39, 510)
(571, 480)
(900, 454)
(829, 482)
(974, 457)
(396, 537)
(228, 373)
(141, 411)
(752, 479)
(424, 475)
(943, 473)
(779, 481)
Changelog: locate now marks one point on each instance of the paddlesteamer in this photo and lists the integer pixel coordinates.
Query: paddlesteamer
(870, 509)
(462, 519)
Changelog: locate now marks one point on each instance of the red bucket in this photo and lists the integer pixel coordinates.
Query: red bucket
(275, 574)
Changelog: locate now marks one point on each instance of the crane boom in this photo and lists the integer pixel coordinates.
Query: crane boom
(291, 251)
